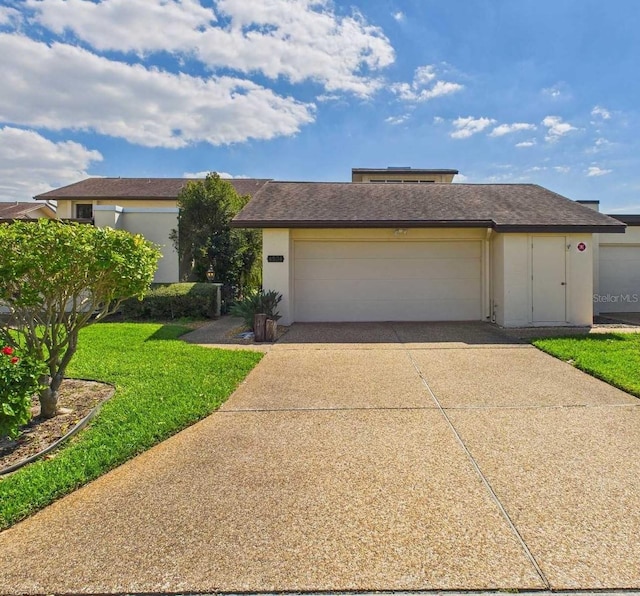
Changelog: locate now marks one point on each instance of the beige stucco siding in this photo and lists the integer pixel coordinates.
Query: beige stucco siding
(155, 224)
(66, 208)
(513, 279)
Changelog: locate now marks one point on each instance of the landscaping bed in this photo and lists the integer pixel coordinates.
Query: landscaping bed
(77, 398)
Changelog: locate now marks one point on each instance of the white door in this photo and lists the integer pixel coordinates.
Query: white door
(549, 279)
(619, 289)
(388, 281)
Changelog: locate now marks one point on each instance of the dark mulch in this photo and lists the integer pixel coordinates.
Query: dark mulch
(77, 399)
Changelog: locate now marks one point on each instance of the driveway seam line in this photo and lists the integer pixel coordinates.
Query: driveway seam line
(476, 467)
(418, 408)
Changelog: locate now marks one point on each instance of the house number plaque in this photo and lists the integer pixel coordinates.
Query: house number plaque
(275, 258)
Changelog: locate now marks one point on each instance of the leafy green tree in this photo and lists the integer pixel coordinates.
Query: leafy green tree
(58, 278)
(204, 237)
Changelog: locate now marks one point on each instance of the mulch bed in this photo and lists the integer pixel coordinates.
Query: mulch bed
(77, 399)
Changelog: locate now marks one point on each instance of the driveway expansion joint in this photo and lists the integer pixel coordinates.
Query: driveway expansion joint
(476, 467)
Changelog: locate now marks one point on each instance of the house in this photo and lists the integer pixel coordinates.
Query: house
(404, 244)
(516, 254)
(146, 206)
(11, 211)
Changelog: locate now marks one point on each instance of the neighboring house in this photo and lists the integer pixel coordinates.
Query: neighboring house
(146, 206)
(617, 287)
(516, 254)
(26, 210)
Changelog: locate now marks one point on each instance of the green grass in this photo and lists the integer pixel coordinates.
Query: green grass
(162, 386)
(612, 357)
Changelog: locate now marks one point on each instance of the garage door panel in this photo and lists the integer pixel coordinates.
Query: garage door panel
(387, 281)
(378, 310)
(380, 269)
(413, 289)
(619, 278)
(386, 250)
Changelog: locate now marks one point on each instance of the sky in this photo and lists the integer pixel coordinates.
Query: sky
(505, 91)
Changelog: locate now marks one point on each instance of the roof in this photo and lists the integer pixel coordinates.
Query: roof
(15, 210)
(401, 170)
(139, 188)
(630, 220)
(503, 207)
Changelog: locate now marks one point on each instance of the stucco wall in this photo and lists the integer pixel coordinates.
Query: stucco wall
(513, 283)
(66, 208)
(278, 276)
(155, 224)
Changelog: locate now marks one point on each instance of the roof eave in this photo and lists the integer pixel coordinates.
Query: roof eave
(245, 223)
(562, 228)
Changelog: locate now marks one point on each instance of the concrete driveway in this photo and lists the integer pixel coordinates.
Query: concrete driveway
(365, 457)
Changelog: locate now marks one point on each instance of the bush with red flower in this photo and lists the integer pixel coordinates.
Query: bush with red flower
(19, 380)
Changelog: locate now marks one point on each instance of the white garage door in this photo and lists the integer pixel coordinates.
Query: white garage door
(388, 281)
(619, 279)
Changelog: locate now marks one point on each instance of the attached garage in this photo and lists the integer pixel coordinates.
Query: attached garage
(513, 254)
(387, 280)
(619, 269)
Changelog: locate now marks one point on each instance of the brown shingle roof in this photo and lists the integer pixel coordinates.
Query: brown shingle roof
(138, 188)
(503, 207)
(17, 210)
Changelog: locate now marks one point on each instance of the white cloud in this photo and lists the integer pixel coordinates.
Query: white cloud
(30, 164)
(425, 86)
(301, 40)
(460, 178)
(597, 171)
(398, 16)
(505, 129)
(552, 92)
(66, 87)
(438, 120)
(562, 169)
(9, 16)
(465, 127)
(601, 112)
(203, 174)
(556, 128)
(395, 120)
(529, 143)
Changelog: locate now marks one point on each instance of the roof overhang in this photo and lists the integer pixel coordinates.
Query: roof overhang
(484, 224)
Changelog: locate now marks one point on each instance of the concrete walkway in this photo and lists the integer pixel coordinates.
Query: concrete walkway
(366, 457)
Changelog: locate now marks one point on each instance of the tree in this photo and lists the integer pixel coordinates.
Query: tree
(58, 278)
(205, 239)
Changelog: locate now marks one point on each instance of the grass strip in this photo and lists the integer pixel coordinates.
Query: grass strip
(162, 386)
(612, 357)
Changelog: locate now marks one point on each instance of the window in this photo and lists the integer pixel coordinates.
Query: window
(84, 211)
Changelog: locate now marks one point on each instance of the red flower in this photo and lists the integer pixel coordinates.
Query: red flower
(7, 350)
(15, 360)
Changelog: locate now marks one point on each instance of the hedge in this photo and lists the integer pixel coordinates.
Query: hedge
(173, 301)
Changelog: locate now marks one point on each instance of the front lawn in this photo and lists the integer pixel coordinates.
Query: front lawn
(162, 386)
(612, 357)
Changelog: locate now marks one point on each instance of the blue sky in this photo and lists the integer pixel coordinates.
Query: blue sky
(505, 91)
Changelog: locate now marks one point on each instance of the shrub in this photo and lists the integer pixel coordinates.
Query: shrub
(58, 278)
(19, 380)
(257, 302)
(173, 301)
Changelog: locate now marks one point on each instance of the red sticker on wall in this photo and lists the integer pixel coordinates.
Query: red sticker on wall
(582, 247)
